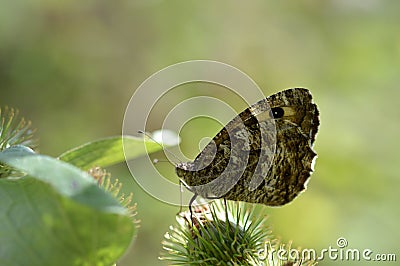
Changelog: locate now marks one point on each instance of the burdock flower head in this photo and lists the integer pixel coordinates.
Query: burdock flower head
(114, 187)
(222, 234)
(14, 131)
(214, 236)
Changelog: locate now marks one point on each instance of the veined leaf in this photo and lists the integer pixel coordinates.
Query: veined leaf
(109, 151)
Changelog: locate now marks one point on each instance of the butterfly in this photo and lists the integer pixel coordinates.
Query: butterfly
(263, 155)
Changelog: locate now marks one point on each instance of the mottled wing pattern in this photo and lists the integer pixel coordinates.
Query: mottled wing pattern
(285, 167)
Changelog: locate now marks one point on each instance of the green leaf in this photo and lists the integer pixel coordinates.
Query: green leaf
(38, 226)
(65, 178)
(58, 215)
(108, 151)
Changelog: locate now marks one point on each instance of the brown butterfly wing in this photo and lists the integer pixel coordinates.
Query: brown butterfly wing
(280, 170)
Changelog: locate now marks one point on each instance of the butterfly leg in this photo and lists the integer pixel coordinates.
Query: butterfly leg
(190, 206)
(180, 196)
(226, 211)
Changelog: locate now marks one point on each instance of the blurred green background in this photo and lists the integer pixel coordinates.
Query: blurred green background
(72, 66)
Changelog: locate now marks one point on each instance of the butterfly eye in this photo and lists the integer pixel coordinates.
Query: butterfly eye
(277, 112)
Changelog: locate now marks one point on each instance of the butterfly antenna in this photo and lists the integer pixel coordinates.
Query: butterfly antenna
(164, 149)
